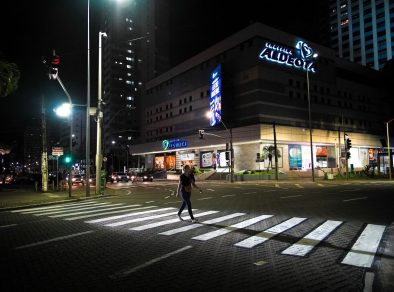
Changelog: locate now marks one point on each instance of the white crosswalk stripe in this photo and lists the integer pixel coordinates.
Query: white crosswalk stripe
(170, 221)
(128, 215)
(307, 243)
(270, 232)
(32, 210)
(75, 209)
(231, 228)
(194, 226)
(102, 208)
(141, 219)
(364, 249)
(109, 212)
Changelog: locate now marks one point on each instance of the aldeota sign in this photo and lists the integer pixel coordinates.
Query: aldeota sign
(301, 57)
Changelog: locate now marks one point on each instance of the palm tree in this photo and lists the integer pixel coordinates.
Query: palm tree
(270, 152)
(9, 77)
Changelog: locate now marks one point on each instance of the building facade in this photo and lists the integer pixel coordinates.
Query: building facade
(363, 31)
(266, 76)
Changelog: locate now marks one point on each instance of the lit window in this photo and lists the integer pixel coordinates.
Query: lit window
(128, 74)
(128, 66)
(128, 81)
(343, 6)
(127, 19)
(128, 58)
(344, 22)
(129, 51)
(120, 78)
(129, 98)
(140, 83)
(120, 63)
(130, 28)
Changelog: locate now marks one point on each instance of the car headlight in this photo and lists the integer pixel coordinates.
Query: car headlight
(73, 179)
(145, 177)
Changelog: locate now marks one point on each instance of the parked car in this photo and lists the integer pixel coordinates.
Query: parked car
(76, 179)
(145, 176)
(119, 177)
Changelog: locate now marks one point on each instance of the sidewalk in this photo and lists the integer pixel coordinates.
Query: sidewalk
(19, 197)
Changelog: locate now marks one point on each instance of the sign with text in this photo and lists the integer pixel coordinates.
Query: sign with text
(300, 57)
(215, 100)
(57, 151)
(173, 144)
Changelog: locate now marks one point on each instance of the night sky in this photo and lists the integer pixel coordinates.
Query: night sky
(32, 29)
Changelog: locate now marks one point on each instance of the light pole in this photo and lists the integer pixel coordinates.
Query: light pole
(99, 117)
(65, 110)
(87, 159)
(310, 120)
(388, 146)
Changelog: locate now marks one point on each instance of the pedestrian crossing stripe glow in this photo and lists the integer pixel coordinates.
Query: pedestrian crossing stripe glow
(307, 243)
(270, 232)
(170, 221)
(63, 208)
(109, 212)
(77, 209)
(141, 219)
(194, 226)
(128, 215)
(51, 207)
(106, 208)
(231, 228)
(364, 249)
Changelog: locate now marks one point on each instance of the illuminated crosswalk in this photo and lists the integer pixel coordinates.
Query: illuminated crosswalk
(138, 218)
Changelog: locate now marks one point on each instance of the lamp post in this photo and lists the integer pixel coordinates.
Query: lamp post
(87, 159)
(310, 120)
(99, 117)
(388, 146)
(65, 110)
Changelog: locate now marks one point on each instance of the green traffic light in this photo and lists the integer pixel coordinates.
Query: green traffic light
(67, 159)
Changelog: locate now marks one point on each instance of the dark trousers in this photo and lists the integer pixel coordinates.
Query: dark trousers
(186, 202)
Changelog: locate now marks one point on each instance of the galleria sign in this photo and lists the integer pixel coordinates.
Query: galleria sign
(300, 58)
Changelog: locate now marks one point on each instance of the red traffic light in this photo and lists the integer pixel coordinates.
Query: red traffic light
(55, 60)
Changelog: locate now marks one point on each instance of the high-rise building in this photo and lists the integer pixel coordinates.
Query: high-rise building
(135, 51)
(362, 31)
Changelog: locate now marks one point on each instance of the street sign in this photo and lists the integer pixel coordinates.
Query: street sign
(57, 151)
(104, 159)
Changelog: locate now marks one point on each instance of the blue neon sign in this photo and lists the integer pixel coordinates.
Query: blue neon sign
(173, 144)
(215, 100)
(300, 58)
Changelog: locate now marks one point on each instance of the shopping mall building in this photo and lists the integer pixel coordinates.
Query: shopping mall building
(250, 81)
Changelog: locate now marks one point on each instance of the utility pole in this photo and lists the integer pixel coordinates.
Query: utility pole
(44, 156)
(231, 156)
(276, 153)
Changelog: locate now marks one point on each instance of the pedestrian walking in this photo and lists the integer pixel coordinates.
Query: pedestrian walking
(186, 181)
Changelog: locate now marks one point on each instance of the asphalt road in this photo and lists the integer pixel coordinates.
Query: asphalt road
(250, 237)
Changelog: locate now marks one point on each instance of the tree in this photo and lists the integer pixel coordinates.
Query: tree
(269, 151)
(9, 77)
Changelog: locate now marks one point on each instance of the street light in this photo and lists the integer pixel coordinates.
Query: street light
(388, 146)
(310, 120)
(65, 110)
(230, 133)
(99, 117)
(87, 158)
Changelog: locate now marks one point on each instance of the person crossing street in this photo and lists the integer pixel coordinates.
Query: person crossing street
(186, 181)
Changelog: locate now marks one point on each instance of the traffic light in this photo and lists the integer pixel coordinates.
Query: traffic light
(348, 143)
(67, 159)
(201, 133)
(258, 156)
(227, 155)
(53, 66)
(347, 155)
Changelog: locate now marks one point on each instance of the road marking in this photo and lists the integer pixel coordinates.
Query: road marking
(107, 213)
(76, 209)
(125, 273)
(91, 211)
(291, 196)
(211, 190)
(249, 193)
(260, 263)
(368, 281)
(28, 210)
(277, 186)
(308, 242)
(167, 197)
(320, 185)
(206, 198)
(193, 226)
(352, 190)
(225, 196)
(363, 251)
(9, 225)
(299, 186)
(355, 199)
(149, 202)
(270, 232)
(121, 223)
(231, 228)
(128, 215)
(269, 191)
(54, 239)
(170, 221)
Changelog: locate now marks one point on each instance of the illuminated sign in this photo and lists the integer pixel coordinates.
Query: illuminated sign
(173, 144)
(215, 100)
(301, 57)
